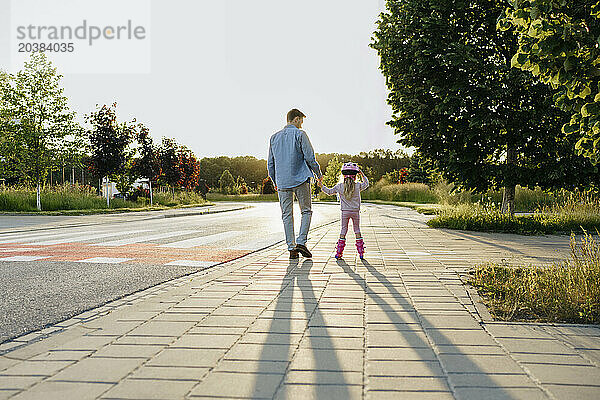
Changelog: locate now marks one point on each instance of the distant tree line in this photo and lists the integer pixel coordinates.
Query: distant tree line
(252, 171)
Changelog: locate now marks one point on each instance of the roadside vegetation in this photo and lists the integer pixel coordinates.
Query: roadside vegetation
(85, 198)
(242, 197)
(566, 292)
(562, 212)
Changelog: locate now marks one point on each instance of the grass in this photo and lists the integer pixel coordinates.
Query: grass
(408, 192)
(526, 200)
(242, 197)
(566, 292)
(71, 200)
(576, 213)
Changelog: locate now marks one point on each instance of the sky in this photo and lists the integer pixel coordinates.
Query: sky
(220, 75)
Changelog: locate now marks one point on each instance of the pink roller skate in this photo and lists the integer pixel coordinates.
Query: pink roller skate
(339, 250)
(360, 247)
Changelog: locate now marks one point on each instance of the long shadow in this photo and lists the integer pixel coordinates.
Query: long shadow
(483, 241)
(325, 355)
(416, 221)
(283, 312)
(275, 335)
(414, 339)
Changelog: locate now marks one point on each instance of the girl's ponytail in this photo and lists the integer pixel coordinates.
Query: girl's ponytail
(349, 185)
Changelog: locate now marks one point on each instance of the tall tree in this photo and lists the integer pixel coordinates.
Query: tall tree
(109, 141)
(332, 172)
(189, 168)
(6, 130)
(36, 109)
(558, 43)
(169, 163)
(227, 182)
(147, 163)
(455, 97)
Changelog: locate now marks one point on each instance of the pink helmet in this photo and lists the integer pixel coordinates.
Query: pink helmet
(350, 168)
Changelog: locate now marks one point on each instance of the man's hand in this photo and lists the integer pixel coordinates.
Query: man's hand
(320, 183)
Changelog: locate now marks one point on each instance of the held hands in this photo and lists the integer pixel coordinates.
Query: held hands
(320, 182)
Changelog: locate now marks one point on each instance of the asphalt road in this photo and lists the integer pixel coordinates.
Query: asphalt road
(47, 276)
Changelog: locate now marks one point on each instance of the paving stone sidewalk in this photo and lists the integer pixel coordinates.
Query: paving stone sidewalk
(398, 325)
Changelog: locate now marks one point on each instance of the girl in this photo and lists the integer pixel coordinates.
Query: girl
(348, 190)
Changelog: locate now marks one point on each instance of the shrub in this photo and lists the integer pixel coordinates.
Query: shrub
(267, 186)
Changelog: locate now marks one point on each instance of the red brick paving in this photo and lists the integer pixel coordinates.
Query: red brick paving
(144, 253)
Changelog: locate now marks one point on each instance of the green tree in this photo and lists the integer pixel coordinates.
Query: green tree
(332, 172)
(169, 163)
(126, 177)
(6, 130)
(109, 141)
(147, 162)
(455, 97)
(558, 43)
(240, 186)
(419, 170)
(39, 119)
(226, 182)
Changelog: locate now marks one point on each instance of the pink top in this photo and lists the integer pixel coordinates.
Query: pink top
(353, 203)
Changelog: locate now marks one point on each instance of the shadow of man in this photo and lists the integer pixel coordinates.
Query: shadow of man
(323, 358)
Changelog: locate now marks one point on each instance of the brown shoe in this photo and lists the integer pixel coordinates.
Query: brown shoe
(294, 255)
(300, 248)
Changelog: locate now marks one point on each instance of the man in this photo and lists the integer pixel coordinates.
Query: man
(291, 164)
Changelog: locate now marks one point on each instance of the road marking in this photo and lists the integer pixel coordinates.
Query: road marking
(18, 249)
(192, 263)
(104, 260)
(23, 258)
(202, 240)
(270, 239)
(140, 239)
(87, 237)
(37, 236)
(417, 253)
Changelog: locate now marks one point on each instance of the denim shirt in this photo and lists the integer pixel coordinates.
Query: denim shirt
(291, 159)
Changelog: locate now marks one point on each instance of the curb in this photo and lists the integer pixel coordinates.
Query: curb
(480, 307)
